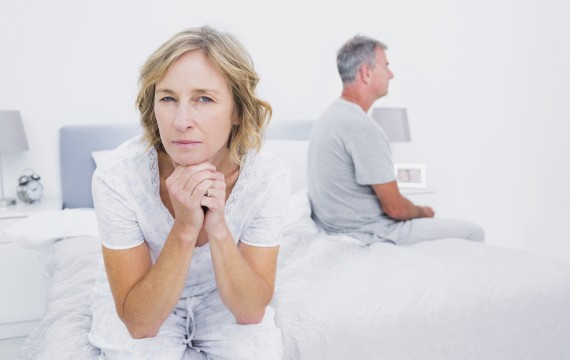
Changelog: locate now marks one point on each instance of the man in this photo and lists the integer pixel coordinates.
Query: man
(352, 186)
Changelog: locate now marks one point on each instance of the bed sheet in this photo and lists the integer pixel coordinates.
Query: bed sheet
(337, 299)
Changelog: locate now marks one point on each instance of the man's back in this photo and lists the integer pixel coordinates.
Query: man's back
(348, 152)
(352, 186)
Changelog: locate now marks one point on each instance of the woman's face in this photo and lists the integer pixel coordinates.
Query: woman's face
(194, 110)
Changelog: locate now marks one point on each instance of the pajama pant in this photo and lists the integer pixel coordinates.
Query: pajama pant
(200, 327)
(416, 230)
(422, 229)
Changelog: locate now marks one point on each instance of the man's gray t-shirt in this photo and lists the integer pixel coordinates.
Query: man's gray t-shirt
(348, 152)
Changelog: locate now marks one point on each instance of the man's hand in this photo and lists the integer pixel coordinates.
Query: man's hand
(426, 212)
(397, 206)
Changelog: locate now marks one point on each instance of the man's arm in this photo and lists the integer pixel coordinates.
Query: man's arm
(397, 206)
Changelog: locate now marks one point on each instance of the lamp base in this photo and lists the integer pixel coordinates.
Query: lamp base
(7, 202)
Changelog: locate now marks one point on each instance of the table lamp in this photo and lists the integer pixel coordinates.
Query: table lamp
(394, 122)
(12, 139)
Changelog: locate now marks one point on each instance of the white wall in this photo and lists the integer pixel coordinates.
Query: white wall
(484, 83)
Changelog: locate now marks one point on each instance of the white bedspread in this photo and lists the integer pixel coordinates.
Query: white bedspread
(446, 299)
(335, 299)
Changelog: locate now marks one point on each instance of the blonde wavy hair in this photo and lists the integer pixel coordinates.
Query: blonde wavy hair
(229, 56)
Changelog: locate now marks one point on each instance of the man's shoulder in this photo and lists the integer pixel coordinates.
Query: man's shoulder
(345, 120)
(341, 109)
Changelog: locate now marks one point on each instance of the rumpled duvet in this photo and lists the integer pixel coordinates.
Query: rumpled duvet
(337, 299)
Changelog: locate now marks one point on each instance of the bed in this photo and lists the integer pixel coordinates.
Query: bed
(334, 298)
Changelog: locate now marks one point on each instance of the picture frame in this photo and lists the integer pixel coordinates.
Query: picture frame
(411, 176)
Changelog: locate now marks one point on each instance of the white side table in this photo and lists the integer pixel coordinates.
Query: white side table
(23, 277)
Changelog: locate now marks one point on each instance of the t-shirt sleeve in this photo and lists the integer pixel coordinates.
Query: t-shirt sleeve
(118, 225)
(266, 227)
(372, 157)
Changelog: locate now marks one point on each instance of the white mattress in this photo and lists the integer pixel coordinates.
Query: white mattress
(335, 299)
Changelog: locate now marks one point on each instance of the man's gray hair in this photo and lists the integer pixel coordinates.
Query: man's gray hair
(354, 53)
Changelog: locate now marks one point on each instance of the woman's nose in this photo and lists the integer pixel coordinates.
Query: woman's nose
(184, 117)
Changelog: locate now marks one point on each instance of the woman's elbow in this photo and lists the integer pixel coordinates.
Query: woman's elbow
(141, 332)
(251, 318)
(137, 328)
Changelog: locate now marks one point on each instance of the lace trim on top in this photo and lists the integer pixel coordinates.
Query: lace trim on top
(152, 160)
(241, 183)
(239, 186)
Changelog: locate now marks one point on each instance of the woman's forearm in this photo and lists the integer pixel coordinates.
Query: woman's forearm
(245, 293)
(151, 300)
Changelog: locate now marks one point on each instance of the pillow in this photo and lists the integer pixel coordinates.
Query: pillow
(298, 217)
(43, 228)
(100, 155)
(294, 154)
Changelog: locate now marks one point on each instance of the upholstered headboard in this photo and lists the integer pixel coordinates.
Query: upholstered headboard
(289, 130)
(77, 142)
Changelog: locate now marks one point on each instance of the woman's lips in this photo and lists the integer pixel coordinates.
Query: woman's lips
(186, 143)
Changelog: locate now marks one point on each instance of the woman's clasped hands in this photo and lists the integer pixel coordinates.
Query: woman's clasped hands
(198, 196)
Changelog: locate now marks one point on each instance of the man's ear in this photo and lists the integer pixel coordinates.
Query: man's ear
(365, 73)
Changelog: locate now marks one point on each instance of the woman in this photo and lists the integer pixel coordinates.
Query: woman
(191, 213)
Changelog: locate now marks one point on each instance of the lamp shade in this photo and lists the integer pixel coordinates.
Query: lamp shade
(12, 134)
(394, 122)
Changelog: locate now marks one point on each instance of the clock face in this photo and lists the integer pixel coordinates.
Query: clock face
(35, 191)
(30, 189)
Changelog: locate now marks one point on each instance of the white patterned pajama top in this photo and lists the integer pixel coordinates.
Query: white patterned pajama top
(129, 211)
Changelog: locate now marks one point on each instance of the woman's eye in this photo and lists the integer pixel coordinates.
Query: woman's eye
(168, 99)
(204, 99)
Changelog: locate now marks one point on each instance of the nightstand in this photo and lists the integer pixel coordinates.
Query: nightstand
(23, 277)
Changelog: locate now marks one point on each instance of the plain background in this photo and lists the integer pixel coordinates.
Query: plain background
(484, 82)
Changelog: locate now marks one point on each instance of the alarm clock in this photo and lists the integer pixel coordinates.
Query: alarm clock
(30, 189)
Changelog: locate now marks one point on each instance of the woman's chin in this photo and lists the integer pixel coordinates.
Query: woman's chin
(187, 161)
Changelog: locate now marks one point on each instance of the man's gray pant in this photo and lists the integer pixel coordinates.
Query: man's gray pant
(423, 229)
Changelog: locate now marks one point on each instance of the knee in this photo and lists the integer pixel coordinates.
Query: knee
(251, 342)
(261, 346)
(249, 353)
(476, 233)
